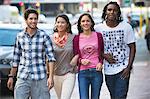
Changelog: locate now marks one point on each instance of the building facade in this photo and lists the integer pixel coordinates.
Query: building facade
(54, 7)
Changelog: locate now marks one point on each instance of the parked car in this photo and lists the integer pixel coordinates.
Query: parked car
(9, 13)
(136, 17)
(8, 34)
(7, 39)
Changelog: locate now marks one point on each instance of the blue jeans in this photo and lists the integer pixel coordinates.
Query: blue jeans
(37, 89)
(90, 77)
(117, 86)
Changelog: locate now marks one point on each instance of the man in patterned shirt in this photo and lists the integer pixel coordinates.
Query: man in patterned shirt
(119, 50)
(31, 48)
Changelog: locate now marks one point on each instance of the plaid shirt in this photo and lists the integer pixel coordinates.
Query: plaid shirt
(30, 54)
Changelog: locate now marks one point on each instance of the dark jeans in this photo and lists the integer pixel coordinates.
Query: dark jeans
(90, 77)
(148, 43)
(147, 37)
(117, 86)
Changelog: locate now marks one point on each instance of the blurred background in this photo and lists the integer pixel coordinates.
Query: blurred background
(138, 9)
(12, 22)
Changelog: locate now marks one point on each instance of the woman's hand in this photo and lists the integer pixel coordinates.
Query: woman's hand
(74, 60)
(99, 67)
(85, 61)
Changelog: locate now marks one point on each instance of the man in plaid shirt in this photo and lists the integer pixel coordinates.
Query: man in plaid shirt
(31, 49)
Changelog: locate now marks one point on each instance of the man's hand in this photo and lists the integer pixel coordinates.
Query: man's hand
(10, 83)
(109, 58)
(126, 73)
(50, 82)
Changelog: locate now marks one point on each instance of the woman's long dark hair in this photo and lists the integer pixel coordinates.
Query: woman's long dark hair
(119, 19)
(80, 30)
(67, 20)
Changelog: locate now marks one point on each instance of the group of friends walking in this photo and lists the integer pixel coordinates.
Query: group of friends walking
(43, 61)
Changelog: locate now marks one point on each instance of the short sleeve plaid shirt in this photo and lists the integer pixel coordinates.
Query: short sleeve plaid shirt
(30, 54)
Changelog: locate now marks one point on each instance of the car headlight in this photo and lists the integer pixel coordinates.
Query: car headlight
(6, 61)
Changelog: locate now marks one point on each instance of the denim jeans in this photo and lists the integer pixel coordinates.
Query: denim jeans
(117, 86)
(87, 78)
(37, 89)
(147, 37)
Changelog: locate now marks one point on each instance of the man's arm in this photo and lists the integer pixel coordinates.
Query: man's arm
(132, 47)
(16, 60)
(13, 71)
(50, 59)
(10, 78)
(50, 81)
(126, 71)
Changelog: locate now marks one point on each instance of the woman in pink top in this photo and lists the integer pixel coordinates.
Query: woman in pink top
(89, 46)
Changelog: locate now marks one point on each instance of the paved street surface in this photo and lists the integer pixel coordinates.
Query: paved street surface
(140, 78)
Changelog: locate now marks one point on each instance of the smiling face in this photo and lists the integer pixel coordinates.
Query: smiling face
(85, 23)
(112, 12)
(32, 21)
(61, 24)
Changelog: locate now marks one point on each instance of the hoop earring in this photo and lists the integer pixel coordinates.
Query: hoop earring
(106, 17)
(55, 29)
(67, 30)
(120, 18)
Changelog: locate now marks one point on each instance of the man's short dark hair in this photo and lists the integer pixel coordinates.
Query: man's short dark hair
(29, 11)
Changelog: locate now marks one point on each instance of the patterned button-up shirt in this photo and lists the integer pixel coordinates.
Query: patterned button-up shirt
(30, 54)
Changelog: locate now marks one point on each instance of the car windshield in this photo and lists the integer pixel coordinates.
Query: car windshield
(7, 36)
(135, 16)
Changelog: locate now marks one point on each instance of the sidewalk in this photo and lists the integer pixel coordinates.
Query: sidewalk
(140, 78)
(139, 87)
